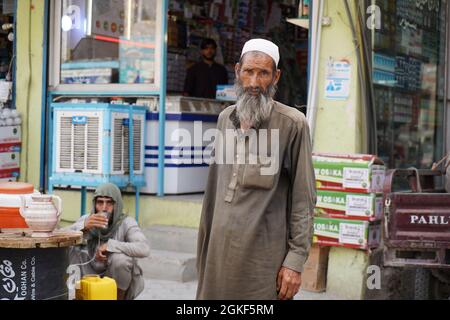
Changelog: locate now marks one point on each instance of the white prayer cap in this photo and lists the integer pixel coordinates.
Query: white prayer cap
(264, 46)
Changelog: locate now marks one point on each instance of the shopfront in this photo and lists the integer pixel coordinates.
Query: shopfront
(7, 24)
(10, 119)
(409, 72)
(115, 51)
(115, 45)
(105, 46)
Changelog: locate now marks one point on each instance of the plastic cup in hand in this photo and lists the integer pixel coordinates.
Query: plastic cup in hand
(106, 215)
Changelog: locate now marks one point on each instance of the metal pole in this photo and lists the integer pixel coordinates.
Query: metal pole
(131, 158)
(446, 105)
(131, 145)
(316, 35)
(50, 143)
(44, 100)
(162, 100)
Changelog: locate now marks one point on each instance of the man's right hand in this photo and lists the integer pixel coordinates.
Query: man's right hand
(95, 221)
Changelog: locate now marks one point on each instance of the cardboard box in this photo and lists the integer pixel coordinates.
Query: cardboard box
(358, 206)
(314, 276)
(12, 134)
(349, 173)
(346, 233)
(11, 179)
(9, 157)
(9, 175)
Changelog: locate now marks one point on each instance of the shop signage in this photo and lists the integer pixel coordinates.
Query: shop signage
(18, 281)
(429, 219)
(79, 120)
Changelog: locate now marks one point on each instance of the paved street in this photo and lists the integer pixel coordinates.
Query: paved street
(171, 290)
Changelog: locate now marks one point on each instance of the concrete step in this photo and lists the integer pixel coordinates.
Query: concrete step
(170, 265)
(168, 238)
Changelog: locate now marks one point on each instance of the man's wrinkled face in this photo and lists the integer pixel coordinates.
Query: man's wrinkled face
(256, 80)
(104, 204)
(209, 52)
(256, 73)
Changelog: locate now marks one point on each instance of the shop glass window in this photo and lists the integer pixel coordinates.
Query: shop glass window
(409, 81)
(108, 42)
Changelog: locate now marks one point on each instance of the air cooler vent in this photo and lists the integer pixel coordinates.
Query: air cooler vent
(93, 149)
(118, 145)
(79, 144)
(121, 145)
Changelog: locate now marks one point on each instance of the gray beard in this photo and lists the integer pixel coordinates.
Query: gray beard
(254, 110)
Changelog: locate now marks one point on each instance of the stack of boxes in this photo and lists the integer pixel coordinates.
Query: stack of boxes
(10, 142)
(349, 200)
(348, 210)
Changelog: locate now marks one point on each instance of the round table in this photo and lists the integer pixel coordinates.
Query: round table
(35, 268)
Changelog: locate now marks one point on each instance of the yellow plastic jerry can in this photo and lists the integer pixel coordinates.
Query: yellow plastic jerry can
(96, 288)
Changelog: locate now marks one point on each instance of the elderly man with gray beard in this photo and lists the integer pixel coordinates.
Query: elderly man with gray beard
(256, 226)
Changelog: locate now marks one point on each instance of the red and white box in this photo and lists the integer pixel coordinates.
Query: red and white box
(9, 175)
(11, 134)
(10, 156)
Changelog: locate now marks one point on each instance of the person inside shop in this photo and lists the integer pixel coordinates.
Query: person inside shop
(203, 77)
(256, 225)
(113, 243)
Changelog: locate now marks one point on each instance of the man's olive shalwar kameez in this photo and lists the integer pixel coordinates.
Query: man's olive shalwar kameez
(252, 224)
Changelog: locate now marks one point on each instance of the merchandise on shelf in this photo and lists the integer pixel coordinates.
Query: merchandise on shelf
(9, 156)
(10, 179)
(89, 72)
(10, 134)
(408, 73)
(10, 144)
(231, 24)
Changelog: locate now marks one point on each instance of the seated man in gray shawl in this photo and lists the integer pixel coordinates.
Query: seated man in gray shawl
(113, 243)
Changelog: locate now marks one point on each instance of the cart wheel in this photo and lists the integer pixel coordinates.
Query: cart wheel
(422, 284)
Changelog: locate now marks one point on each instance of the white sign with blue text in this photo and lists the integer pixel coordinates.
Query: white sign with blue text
(338, 79)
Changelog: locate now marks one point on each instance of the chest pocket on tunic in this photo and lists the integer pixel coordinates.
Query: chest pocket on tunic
(258, 176)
